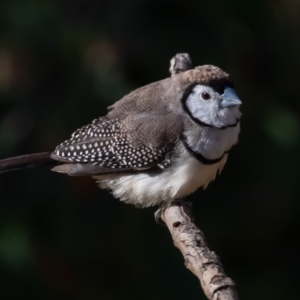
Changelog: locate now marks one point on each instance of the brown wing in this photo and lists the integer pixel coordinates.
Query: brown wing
(104, 145)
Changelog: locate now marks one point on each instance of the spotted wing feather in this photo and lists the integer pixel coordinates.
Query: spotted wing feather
(105, 144)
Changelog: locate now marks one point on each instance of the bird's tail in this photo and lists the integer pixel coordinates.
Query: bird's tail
(26, 161)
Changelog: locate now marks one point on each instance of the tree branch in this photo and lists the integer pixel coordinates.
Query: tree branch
(204, 263)
(181, 62)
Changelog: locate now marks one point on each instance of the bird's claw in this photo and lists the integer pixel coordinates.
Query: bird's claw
(158, 216)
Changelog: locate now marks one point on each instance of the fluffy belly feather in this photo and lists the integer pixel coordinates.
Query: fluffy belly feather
(184, 177)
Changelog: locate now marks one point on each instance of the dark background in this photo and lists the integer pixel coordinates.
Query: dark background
(62, 63)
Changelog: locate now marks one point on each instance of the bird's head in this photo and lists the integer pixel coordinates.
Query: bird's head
(210, 98)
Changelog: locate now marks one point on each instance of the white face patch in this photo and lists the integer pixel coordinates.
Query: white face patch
(203, 105)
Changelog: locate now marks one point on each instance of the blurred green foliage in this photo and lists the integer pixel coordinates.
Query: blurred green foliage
(62, 63)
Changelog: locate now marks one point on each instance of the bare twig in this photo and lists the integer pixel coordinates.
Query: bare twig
(179, 63)
(204, 263)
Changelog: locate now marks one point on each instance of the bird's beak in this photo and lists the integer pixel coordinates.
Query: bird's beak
(230, 98)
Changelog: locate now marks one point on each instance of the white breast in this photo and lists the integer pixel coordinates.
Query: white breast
(184, 177)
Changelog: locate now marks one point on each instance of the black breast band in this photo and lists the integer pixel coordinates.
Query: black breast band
(199, 156)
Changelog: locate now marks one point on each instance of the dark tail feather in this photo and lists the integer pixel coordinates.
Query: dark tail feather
(26, 161)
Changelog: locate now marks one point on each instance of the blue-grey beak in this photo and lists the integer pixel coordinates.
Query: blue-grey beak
(230, 98)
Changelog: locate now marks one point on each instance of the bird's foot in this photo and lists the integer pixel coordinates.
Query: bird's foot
(158, 216)
(182, 202)
(160, 211)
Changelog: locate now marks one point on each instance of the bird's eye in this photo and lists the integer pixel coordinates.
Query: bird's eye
(205, 96)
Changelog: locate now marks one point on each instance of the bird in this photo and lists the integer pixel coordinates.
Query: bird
(159, 143)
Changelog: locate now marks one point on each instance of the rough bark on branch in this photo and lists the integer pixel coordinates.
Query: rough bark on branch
(204, 263)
